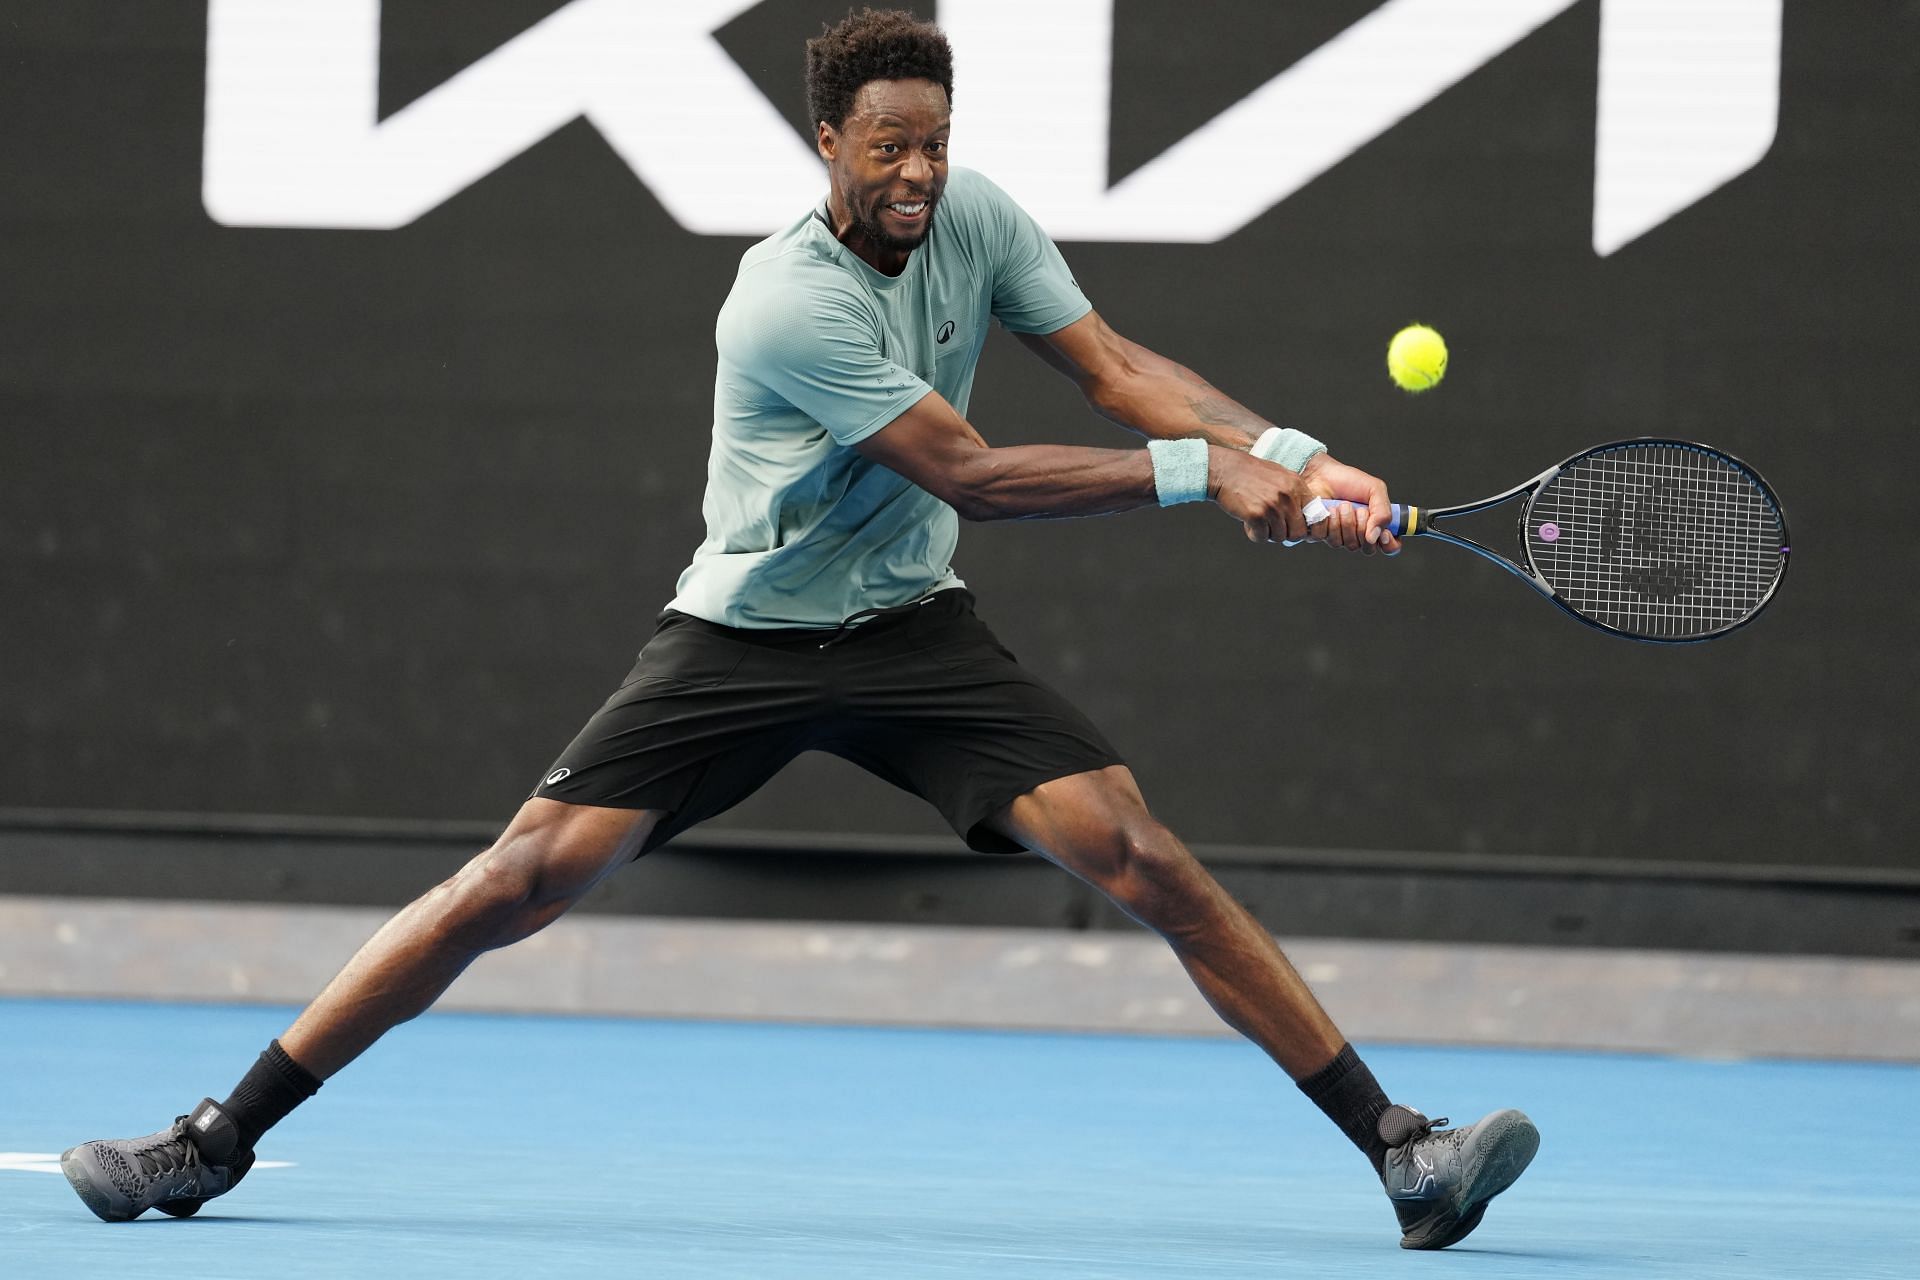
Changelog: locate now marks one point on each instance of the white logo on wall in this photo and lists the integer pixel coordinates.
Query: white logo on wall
(1688, 99)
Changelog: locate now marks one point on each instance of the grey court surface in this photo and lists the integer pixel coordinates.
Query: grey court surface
(483, 1145)
(1695, 1003)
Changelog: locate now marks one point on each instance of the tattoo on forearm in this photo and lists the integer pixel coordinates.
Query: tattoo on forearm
(1216, 418)
(1187, 375)
(1218, 411)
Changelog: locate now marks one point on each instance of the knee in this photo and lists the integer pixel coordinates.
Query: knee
(488, 901)
(1155, 880)
(1139, 863)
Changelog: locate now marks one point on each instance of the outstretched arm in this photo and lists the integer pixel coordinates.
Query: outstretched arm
(1142, 390)
(1164, 400)
(933, 446)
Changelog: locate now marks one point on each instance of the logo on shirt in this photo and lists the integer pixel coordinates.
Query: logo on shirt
(946, 331)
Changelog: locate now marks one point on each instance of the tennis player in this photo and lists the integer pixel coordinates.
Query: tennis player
(822, 613)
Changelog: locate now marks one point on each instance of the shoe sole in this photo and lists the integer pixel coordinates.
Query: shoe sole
(1504, 1145)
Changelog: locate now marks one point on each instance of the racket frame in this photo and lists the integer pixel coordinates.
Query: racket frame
(1421, 522)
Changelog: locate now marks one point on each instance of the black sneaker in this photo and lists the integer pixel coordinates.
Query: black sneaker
(175, 1171)
(1441, 1179)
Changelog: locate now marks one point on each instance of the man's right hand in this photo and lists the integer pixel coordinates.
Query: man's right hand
(1268, 501)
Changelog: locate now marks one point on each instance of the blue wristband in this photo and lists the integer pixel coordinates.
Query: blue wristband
(1291, 449)
(1179, 470)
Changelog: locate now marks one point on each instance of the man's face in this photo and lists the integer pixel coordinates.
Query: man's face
(887, 165)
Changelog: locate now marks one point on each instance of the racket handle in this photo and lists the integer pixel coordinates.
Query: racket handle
(1406, 519)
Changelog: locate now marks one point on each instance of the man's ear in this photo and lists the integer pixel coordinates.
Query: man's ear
(826, 140)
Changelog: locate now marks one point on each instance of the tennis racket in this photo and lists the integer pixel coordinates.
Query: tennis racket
(1660, 540)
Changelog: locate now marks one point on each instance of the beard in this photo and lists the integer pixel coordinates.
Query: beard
(870, 226)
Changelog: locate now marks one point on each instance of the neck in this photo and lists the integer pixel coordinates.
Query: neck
(888, 261)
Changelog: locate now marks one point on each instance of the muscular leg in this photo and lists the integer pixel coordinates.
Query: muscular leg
(1096, 825)
(550, 855)
(543, 863)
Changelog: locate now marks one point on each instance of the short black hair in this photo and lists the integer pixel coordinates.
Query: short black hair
(874, 44)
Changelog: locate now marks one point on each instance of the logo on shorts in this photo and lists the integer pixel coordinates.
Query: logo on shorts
(946, 331)
(556, 776)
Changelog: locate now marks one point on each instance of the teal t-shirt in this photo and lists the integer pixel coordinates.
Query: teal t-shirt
(817, 351)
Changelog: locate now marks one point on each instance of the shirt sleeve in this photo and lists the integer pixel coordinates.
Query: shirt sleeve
(1033, 290)
(813, 346)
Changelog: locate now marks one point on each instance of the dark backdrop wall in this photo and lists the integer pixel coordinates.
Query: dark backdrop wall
(333, 522)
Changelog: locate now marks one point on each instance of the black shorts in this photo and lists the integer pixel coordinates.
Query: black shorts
(923, 696)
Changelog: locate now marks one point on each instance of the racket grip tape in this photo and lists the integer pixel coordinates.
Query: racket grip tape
(1406, 519)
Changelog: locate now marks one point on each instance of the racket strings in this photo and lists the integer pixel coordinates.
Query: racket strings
(1664, 541)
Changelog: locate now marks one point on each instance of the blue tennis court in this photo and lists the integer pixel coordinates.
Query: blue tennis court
(479, 1146)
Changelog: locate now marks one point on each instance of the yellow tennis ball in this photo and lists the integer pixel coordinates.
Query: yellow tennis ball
(1417, 358)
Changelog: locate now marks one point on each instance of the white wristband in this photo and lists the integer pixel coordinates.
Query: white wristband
(1291, 449)
(1179, 470)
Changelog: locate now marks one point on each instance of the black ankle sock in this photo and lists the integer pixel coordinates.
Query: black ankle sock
(272, 1087)
(1352, 1099)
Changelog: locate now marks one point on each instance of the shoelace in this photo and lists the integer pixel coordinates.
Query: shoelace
(170, 1152)
(1419, 1128)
